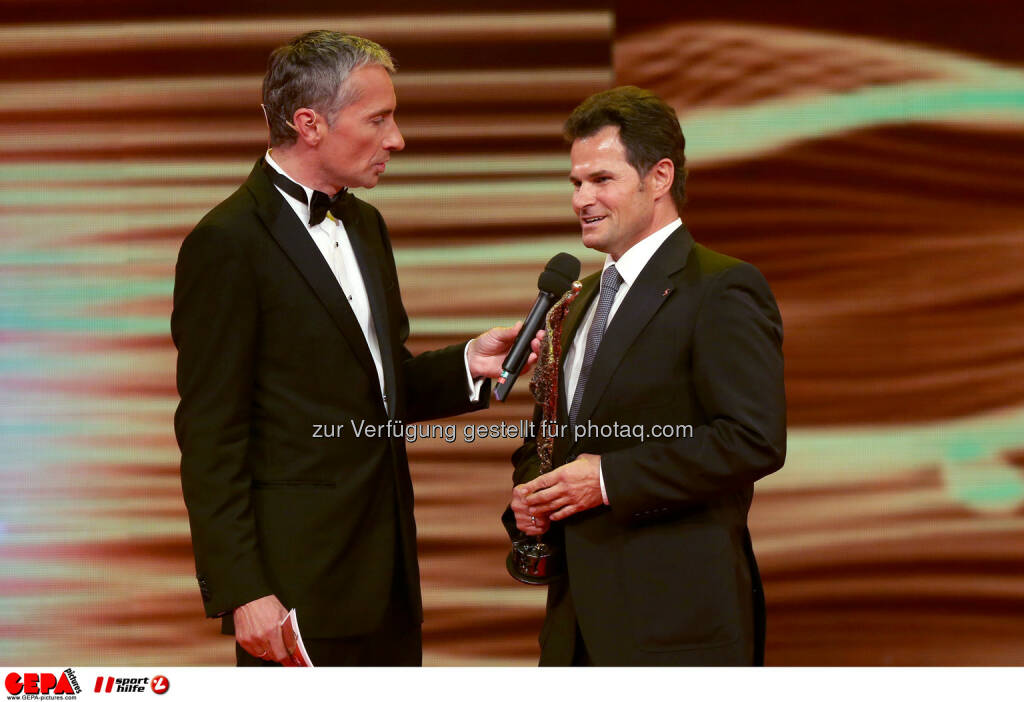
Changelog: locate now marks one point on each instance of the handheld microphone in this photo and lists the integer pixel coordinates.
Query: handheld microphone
(555, 281)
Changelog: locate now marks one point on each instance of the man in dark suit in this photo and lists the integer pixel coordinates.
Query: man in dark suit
(672, 395)
(295, 382)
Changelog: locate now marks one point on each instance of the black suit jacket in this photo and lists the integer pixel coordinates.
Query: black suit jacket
(665, 575)
(268, 348)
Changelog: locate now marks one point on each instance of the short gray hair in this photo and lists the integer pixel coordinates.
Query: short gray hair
(309, 71)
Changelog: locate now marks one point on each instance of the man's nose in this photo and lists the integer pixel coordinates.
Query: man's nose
(394, 140)
(582, 197)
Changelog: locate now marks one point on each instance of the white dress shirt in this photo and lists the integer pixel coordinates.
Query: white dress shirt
(629, 266)
(333, 242)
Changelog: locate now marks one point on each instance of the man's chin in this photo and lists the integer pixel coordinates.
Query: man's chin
(593, 240)
(366, 183)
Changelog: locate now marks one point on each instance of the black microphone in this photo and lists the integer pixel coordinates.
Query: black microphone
(555, 281)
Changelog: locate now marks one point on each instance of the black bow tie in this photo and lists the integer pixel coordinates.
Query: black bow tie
(319, 205)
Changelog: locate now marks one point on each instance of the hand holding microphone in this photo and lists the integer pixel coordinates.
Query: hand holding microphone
(486, 350)
(555, 281)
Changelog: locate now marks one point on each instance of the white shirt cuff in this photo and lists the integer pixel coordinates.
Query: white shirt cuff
(600, 474)
(474, 385)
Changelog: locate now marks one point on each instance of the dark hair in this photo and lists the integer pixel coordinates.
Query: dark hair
(309, 71)
(648, 128)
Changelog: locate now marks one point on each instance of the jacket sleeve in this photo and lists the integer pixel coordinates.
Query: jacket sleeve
(214, 325)
(737, 370)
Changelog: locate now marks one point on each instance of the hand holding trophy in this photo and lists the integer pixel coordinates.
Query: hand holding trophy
(532, 560)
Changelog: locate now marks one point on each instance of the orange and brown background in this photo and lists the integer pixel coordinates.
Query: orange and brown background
(867, 157)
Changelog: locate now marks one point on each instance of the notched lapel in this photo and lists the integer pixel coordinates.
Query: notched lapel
(652, 288)
(295, 241)
(640, 304)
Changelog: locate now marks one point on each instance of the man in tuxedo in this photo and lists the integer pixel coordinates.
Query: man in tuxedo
(295, 381)
(673, 404)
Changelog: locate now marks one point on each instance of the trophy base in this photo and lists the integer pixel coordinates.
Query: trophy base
(533, 562)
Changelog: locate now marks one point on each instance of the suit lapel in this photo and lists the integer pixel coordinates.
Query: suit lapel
(648, 293)
(294, 239)
(368, 258)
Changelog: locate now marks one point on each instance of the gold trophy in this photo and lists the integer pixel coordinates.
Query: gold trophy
(532, 560)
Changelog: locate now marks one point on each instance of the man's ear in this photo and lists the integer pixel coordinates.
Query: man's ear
(660, 177)
(306, 124)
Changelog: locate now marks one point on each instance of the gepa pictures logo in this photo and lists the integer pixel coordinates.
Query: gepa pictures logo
(47, 686)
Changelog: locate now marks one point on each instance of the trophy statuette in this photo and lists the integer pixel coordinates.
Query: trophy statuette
(532, 560)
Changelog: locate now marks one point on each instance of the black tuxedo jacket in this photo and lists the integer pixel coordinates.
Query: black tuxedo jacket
(268, 349)
(665, 575)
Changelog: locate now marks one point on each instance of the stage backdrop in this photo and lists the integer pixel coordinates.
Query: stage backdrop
(869, 168)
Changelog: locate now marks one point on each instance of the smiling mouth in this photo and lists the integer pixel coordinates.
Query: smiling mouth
(593, 220)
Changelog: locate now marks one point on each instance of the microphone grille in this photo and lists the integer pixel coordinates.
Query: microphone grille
(559, 274)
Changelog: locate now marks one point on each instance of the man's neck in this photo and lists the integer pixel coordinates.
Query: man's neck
(663, 216)
(301, 168)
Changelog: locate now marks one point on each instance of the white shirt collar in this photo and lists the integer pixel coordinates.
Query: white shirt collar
(631, 263)
(303, 207)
